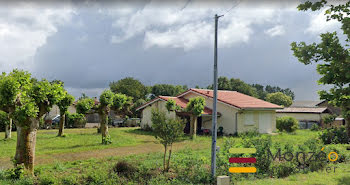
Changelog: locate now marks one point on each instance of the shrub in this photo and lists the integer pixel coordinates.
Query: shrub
(76, 120)
(334, 136)
(287, 123)
(329, 119)
(282, 169)
(251, 133)
(315, 127)
(124, 168)
(46, 180)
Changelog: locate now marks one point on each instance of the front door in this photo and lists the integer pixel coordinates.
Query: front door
(265, 122)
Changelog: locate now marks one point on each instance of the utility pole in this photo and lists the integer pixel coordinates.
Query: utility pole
(215, 99)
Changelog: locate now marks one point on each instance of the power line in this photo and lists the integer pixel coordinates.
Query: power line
(233, 6)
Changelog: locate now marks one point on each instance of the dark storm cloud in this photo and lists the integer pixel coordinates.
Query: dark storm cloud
(81, 54)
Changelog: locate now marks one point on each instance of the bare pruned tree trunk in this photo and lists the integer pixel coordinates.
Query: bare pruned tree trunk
(61, 126)
(25, 150)
(8, 129)
(104, 127)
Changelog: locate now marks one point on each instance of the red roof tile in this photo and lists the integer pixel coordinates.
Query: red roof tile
(182, 102)
(236, 99)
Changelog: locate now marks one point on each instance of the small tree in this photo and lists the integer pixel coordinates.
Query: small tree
(84, 105)
(167, 131)
(280, 99)
(63, 106)
(106, 101)
(195, 106)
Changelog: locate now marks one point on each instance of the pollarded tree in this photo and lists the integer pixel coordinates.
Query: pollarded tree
(103, 109)
(63, 106)
(196, 107)
(11, 86)
(122, 105)
(279, 99)
(84, 105)
(27, 100)
(333, 53)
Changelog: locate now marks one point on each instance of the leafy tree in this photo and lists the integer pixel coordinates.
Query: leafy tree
(235, 85)
(106, 102)
(195, 106)
(333, 55)
(84, 105)
(170, 105)
(274, 89)
(63, 106)
(4, 123)
(167, 90)
(122, 105)
(27, 100)
(279, 99)
(130, 87)
(167, 131)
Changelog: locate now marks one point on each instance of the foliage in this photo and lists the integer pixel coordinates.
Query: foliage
(4, 120)
(65, 103)
(287, 123)
(333, 53)
(135, 105)
(170, 105)
(76, 120)
(107, 140)
(106, 98)
(196, 105)
(334, 136)
(279, 99)
(167, 131)
(315, 127)
(255, 90)
(84, 105)
(130, 87)
(329, 119)
(167, 90)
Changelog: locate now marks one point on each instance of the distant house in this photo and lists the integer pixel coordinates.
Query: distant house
(310, 112)
(237, 112)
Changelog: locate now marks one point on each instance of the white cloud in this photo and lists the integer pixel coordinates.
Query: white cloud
(318, 23)
(192, 27)
(275, 31)
(24, 28)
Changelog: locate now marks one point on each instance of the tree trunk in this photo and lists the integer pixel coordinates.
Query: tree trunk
(8, 129)
(61, 126)
(164, 157)
(104, 127)
(167, 168)
(193, 127)
(25, 149)
(348, 125)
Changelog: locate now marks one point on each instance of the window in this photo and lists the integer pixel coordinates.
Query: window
(249, 118)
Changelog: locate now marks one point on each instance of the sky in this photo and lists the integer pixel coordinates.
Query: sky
(88, 44)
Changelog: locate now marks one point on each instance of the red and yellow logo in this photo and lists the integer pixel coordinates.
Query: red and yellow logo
(242, 160)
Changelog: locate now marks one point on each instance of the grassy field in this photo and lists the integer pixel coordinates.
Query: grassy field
(80, 158)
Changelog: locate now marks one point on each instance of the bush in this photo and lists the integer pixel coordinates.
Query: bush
(123, 168)
(46, 180)
(287, 123)
(315, 127)
(76, 120)
(334, 136)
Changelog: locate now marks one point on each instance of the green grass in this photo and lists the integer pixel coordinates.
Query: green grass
(191, 164)
(76, 140)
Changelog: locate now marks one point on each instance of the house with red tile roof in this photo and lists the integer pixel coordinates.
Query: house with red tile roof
(237, 112)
